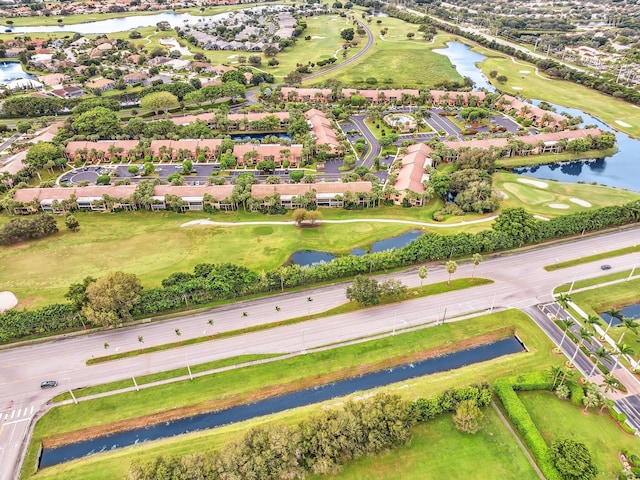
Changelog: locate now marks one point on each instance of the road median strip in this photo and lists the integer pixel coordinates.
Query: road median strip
(593, 258)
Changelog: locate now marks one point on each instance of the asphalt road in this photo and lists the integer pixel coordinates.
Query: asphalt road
(520, 282)
(374, 147)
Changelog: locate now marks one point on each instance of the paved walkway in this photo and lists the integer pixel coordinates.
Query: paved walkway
(354, 220)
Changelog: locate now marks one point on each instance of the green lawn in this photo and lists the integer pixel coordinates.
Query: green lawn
(302, 369)
(561, 92)
(397, 60)
(438, 451)
(152, 245)
(560, 419)
(593, 258)
(537, 200)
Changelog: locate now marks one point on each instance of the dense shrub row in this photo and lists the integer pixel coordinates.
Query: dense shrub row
(513, 228)
(506, 388)
(319, 445)
(447, 401)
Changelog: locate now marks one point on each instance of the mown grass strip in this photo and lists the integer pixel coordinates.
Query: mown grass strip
(155, 377)
(591, 282)
(412, 293)
(593, 258)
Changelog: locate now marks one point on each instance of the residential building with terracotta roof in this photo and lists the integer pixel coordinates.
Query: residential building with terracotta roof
(321, 128)
(325, 194)
(413, 171)
(459, 99)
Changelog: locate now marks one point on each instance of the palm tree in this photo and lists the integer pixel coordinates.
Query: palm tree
(606, 403)
(613, 313)
(566, 325)
(610, 384)
(559, 374)
(477, 258)
(585, 335)
(451, 269)
(563, 300)
(592, 320)
(600, 354)
(422, 273)
(621, 349)
(629, 324)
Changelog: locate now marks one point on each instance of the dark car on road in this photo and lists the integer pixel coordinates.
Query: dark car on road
(605, 267)
(49, 384)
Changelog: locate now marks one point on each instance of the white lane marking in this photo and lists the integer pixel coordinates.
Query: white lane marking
(18, 421)
(32, 409)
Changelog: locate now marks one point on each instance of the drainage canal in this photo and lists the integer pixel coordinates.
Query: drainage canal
(268, 406)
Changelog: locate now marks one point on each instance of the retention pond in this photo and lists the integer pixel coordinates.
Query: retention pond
(272, 405)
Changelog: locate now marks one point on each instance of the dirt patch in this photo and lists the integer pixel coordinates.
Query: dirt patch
(272, 391)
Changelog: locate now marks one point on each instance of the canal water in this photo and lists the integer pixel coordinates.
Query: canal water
(307, 258)
(464, 61)
(272, 405)
(630, 311)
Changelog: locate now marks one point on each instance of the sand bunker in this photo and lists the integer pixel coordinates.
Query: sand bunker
(7, 301)
(535, 183)
(540, 217)
(517, 88)
(317, 37)
(502, 194)
(561, 206)
(193, 223)
(623, 124)
(582, 203)
(525, 71)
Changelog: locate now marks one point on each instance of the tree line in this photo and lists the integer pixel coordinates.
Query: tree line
(208, 283)
(318, 445)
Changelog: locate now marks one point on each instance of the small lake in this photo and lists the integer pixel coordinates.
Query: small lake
(631, 311)
(281, 403)
(12, 71)
(307, 258)
(619, 170)
(464, 61)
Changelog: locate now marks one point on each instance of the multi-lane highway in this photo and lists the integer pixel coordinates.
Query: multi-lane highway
(520, 281)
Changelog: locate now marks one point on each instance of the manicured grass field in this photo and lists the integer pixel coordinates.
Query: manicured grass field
(558, 419)
(560, 92)
(299, 369)
(537, 200)
(397, 61)
(437, 451)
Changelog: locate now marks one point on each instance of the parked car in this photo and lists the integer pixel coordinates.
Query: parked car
(605, 267)
(49, 384)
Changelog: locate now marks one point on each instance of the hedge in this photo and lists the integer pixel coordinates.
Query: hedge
(505, 388)
(577, 393)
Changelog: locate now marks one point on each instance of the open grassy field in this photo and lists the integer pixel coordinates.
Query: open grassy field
(536, 199)
(558, 419)
(434, 445)
(396, 60)
(242, 383)
(153, 245)
(569, 94)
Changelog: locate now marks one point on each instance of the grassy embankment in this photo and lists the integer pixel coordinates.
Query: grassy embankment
(241, 385)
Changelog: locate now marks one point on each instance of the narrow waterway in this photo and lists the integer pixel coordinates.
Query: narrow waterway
(268, 406)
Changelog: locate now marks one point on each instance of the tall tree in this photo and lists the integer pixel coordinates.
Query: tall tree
(573, 460)
(601, 354)
(629, 324)
(519, 224)
(584, 336)
(364, 290)
(159, 101)
(566, 324)
(613, 313)
(468, 417)
(111, 298)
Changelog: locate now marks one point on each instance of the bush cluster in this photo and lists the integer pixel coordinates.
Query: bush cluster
(21, 229)
(429, 408)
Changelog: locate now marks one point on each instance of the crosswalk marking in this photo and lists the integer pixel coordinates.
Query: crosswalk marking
(25, 412)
